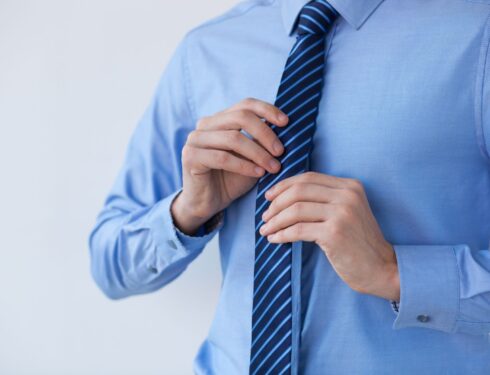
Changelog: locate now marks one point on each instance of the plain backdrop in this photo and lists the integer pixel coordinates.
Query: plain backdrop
(75, 77)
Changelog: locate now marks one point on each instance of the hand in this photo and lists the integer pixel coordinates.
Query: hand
(220, 163)
(334, 213)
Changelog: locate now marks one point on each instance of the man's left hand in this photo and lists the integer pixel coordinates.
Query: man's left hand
(334, 213)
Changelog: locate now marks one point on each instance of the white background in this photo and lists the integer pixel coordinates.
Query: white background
(75, 77)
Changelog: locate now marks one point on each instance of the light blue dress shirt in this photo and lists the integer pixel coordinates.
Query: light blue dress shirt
(406, 110)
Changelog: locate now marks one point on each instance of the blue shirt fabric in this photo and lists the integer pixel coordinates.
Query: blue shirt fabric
(406, 110)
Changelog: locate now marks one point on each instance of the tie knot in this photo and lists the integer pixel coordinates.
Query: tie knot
(316, 17)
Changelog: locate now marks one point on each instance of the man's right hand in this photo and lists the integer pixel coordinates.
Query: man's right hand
(220, 163)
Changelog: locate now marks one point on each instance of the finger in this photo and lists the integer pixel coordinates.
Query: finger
(297, 212)
(248, 121)
(297, 232)
(302, 192)
(233, 140)
(262, 109)
(206, 159)
(307, 177)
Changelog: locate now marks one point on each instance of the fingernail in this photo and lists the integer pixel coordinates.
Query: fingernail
(263, 228)
(277, 147)
(282, 117)
(274, 164)
(264, 215)
(258, 170)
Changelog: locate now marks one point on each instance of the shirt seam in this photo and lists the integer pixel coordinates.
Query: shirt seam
(480, 89)
(458, 299)
(470, 322)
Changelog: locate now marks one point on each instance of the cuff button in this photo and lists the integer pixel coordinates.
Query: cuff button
(423, 318)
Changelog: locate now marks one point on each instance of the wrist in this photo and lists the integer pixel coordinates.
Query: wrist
(184, 217)
(389, 280)
(393, 283)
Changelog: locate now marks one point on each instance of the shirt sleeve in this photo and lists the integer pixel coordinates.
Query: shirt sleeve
(134, 246)
(446, 288)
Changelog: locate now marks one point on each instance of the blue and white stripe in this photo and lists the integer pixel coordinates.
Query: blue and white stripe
(298, 96)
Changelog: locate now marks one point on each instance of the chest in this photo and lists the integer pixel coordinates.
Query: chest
(398, 95)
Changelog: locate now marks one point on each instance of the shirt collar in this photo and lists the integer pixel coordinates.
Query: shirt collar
(355, 12)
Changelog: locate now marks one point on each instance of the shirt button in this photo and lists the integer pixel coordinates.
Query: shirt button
(152, 269)
(172, 244)
(423, 318)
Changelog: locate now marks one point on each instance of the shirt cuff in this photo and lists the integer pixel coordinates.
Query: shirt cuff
(205, 232)
(429, 287)
(167, 235)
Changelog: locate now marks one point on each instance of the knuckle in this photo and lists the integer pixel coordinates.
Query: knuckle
(335, 228)
(298, 229)
(233, 137)
(297, 190)
(351, 196)
(278, 185)
(356, 184)
(344, 212)
(242, 115)
(308, 176)
(280, 235)
(202, 122)
(298, 208)
(273, 222)
(263, 159)
(301, 188)
(192, 137)
(187, 154)
(266, 134)
(244, 166)
(249, 101)
(222, 157)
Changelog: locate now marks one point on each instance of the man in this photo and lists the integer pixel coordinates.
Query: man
(363, 250)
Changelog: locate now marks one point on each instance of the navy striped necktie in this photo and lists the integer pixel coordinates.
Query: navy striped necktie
(298, 96)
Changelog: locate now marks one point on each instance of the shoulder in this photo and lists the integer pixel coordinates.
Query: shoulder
(240, 10)
(243, 14)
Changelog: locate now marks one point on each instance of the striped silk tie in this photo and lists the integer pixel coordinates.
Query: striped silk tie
(298, 96)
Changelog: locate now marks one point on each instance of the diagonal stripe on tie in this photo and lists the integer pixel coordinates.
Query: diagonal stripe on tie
(298, 96)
